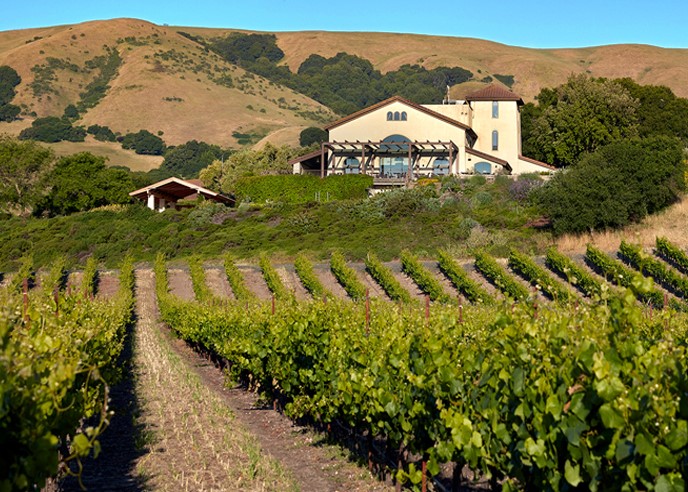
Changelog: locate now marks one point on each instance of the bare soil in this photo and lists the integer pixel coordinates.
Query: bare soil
(108, 284)
(365, 278)
(217, 283)
(292, 282)
(323, 272)
(405, 281)
(180, 283)
(253, 278)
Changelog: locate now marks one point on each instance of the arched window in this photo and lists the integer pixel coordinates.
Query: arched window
(390, 117)
(495, 140)
(483, 168)
(495, 109)
(352, 166)
(394, 162)
(441, 166)
(396, 116)
(403, 116)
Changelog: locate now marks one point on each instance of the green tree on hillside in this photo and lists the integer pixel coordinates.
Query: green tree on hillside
(618, 184)
(659, 112)
(222, 176)
(9, 79)
(53, 129)
(82, 181)
(189, 158)
(312, 135)
(144, 142)
(578, 117)
(23, 170)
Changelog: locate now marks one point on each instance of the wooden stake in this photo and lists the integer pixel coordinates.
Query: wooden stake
(25, 290)
(427, 308)
(424, 477)
(367, 308)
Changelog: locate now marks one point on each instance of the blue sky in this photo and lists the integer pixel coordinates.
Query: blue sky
(530, 23)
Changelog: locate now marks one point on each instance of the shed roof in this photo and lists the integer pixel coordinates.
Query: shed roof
(178, 189)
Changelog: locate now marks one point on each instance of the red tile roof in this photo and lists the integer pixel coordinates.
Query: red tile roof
(494, 92)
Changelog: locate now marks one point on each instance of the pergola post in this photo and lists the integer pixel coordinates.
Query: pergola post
(151, 201)
(451, 160)
(322, 159)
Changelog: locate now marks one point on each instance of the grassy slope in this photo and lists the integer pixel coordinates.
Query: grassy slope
(533, 68)
(207, 111)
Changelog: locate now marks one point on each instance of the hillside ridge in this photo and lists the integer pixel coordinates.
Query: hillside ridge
(170, 84)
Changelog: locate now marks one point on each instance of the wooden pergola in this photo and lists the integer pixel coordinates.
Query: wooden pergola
(369, 150)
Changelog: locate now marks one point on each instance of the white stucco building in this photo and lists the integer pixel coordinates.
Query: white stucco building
(400, 140)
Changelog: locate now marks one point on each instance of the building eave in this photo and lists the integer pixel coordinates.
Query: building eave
(406, 102)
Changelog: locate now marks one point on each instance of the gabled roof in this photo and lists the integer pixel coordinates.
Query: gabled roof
(494, 92)
(488, 157)
(178, 189)
(400, 99)
(536, 162)
(305, 157)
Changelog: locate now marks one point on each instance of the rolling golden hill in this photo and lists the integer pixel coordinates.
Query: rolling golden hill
(169, 84)
(165, 83)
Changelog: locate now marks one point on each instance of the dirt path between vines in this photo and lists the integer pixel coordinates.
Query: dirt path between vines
(197, 429)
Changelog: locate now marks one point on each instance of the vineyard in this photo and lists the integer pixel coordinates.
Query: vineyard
(554, 373)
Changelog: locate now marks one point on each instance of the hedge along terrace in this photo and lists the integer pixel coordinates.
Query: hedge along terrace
(293, 188)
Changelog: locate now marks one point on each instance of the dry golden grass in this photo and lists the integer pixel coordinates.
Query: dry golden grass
(113, 152)
(172, 96)
(670, 224)
(212, 113)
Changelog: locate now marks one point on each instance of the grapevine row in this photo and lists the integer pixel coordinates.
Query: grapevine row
(470, 289)
(385, 278)
(423, 278)
(538, 277)
(346, 276)
(500, 277)
(656, 269)
(565, 266)
(673, 254)
(589, 397)
(57, 357)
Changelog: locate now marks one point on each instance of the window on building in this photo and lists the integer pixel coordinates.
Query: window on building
(441, 166)
(403, 116)
(483, 168)
(352, 166)
(495, 140)
(390, 117)
(396, 116)
(495, 109)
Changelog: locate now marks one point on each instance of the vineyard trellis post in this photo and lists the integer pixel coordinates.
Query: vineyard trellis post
(367, 312)
(25, 291)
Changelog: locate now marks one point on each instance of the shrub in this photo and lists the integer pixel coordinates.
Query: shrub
(618, 184)
(52, 129)
(144, 142)
(291, 188)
